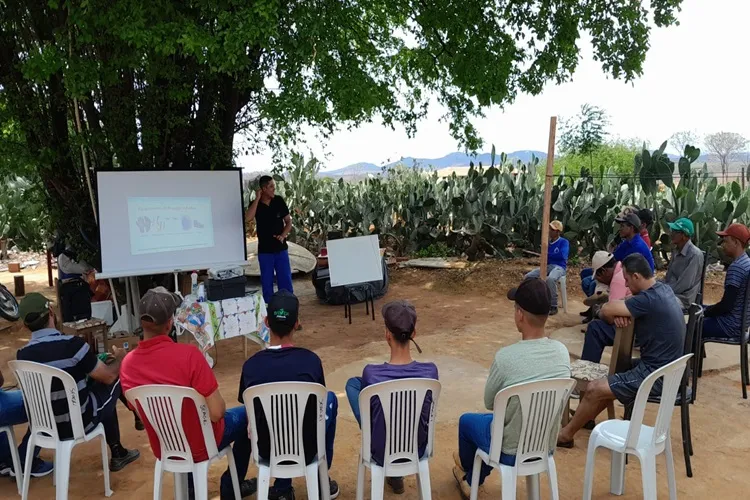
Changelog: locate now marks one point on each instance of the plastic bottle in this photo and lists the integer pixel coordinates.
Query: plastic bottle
(194, 283)
(201, 293)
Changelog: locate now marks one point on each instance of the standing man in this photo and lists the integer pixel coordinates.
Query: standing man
(686, 267)
(724, 320)
(557, 261)
(630, 228)
(273, 225)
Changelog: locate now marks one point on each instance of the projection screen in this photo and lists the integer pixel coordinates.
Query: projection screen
(162, 221)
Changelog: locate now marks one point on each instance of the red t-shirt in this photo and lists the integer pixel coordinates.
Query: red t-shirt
(161, 361)
(646, 238)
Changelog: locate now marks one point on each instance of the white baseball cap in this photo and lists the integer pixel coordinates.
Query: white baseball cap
(600, 258)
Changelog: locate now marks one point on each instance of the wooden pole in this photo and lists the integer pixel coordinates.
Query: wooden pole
(548, 195)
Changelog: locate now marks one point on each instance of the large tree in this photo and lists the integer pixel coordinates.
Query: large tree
(680, 140)
(168, 83)
(725, 145)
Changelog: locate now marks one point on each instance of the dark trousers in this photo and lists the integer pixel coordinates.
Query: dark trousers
(599, 334)
(105, 399)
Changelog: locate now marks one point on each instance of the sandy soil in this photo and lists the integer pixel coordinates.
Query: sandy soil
(464, 315)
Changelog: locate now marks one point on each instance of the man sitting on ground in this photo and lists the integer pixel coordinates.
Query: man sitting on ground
(283, 362)
(400, 329)
(724, 320)
(685, 269)
(535, 357)
(557, 261)
(158, 360)
(97, 398)
(659, 330)
(630, 226)
(12, 412)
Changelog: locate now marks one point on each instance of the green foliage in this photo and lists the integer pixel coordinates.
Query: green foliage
(168, 83)
(22, 215)
(500, 206)
(615, 155)
(584, 133)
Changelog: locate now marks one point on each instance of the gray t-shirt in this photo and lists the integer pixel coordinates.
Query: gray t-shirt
(659, 325)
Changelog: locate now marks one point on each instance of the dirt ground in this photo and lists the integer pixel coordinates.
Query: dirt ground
(463, 316)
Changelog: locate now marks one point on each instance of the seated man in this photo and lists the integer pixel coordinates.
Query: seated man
(535, 357)
(400, 328)
(283, 362)
(647, 218)
(601, 333)
(98, 397)
(557, 261)
(659, 329)
(154, 361)
(724, 320)
(630, 227)
(685, 269)
(13, 412)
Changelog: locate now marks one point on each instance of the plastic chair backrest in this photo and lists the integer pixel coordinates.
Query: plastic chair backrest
(402, 402)
(541, 403)
(672, 374)
(35, 380)
(284, 405)
(161, 406)
(699, 298)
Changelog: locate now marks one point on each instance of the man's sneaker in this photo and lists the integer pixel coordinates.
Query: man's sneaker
(396, 484)
(553, 311)
(39, 468)
(248, 487)
(334, 489)
(274, 494)
(118, 463)
(138, 423)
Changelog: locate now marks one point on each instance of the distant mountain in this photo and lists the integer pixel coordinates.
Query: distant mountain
(449, 160)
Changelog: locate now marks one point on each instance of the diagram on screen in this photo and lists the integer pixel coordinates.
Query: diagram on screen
(166, 224)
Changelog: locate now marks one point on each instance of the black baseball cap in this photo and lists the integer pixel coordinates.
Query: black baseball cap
(631, 218)
(282, 312)
(533, 296)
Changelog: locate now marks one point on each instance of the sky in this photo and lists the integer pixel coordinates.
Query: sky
(694, 78)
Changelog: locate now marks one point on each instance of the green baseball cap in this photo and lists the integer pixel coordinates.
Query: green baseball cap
(33, 304)
(683, 225)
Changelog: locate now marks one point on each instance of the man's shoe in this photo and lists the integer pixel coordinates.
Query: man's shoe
(274, 494)
(120, 462)
(138, 423)
(248, 487)
(464, 488)
(396, 484)
(553, 311)
(39, 468)
(334, 488)
(585, 313)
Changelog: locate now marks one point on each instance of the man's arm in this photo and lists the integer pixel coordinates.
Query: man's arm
(724, 306)
(216, 406)
(287, 227)
(108, 373)
(565, 249)
(254, 206)
(614, 309)
(494, 384)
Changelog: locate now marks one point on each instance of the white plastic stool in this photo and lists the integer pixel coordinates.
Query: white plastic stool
(562, 283)
(13, 453)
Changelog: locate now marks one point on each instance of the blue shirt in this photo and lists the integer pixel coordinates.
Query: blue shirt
(635, 245)
(557, 253)
(737, 276)
(659, 325)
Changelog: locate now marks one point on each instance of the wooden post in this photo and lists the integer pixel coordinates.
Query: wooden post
(548, 195)
(19, 288)
(49, 268)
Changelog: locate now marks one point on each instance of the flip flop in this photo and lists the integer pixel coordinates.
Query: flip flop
(565, 444)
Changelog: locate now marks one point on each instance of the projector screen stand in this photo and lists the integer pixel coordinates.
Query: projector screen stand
(369, 300)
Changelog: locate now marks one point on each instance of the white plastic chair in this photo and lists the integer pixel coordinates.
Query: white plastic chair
(402, 402)
(161, 406)
(13, 454)
(632, 437)
(35, 380)
(541, 403)
(284, 405)
(563, 284)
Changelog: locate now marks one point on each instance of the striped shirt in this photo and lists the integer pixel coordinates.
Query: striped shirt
(74, 356)
(737, 276)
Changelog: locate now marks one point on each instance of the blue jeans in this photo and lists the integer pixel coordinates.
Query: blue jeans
(277, 263)
(713, 330)
(235, 431)
(554, 273)
(475, 432)
(588, 282)
(332, 411)
(353, 388)
(12, 412)
(599, 334)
